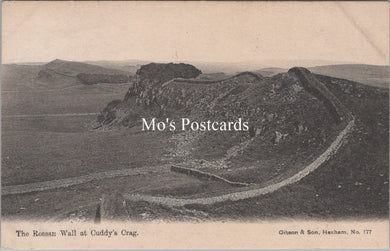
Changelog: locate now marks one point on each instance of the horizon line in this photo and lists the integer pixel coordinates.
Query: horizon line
(265, 63)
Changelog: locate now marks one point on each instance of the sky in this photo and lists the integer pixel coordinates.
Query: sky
(229, 32)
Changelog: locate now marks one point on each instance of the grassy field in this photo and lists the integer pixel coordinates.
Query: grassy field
(45, 148)
(73, 99)
(40, 156)
(39, 148)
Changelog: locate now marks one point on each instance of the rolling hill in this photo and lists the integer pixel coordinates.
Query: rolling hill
(374, 75)
(61, 71)
(271, 71)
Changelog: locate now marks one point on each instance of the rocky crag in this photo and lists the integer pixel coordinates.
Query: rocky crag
(171, 90)
(272, 105)
(291, 115)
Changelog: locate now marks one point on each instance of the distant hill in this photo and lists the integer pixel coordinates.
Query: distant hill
(373, 75)
(129, 66)
(71, 68)
(270, 71)
(61, 71)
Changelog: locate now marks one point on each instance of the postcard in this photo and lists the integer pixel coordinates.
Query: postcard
(194, 125)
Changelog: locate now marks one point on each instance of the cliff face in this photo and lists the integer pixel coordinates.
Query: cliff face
(141, 98)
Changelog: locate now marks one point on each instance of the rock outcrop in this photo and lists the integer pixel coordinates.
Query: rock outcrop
(164, 72)
(160, 90)
(287, 113)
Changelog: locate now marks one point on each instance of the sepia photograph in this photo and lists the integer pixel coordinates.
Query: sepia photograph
(194, 124)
